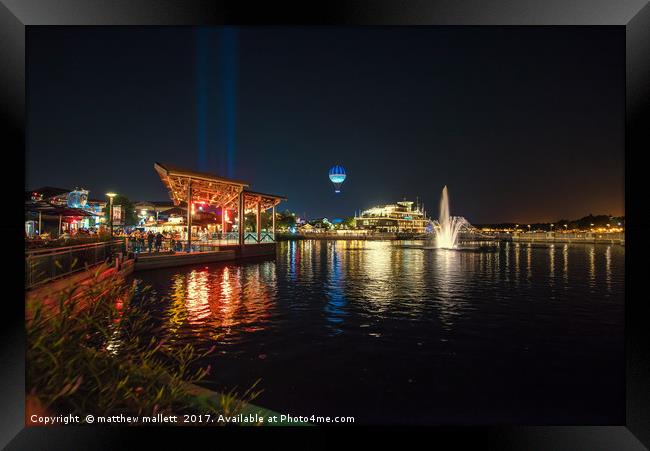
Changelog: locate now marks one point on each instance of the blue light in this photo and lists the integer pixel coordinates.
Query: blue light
(337, 176)
(216, 145)
(229, 57)
(202, 44)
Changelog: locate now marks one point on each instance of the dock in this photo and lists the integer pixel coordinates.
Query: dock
(220, 254)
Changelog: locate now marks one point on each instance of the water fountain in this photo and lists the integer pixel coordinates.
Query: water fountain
(447, 227)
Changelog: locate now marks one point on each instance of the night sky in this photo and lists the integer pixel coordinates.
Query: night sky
(522, 124)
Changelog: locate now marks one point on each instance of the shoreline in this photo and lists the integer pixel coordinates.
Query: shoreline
(586, 238)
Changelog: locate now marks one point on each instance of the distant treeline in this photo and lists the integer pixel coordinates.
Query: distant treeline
(582, 223)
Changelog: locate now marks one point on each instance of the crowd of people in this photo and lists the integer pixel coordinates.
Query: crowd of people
(140, 241)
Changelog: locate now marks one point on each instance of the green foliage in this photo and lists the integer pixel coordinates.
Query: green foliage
(321, 224)
(88, 353)
(128, 209)
(349, 222)
(285, 220)
(251, 221)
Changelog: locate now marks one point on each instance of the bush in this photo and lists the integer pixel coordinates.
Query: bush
(87, 354)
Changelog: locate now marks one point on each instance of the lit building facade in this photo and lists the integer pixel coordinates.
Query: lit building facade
(401, 217)
(91, 211)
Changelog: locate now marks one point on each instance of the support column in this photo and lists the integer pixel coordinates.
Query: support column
(258, 217)
(110, 212)
(60, 218)
(223, 220)
(189, 216)
(40, 224)
(241, 217)
(273, 228)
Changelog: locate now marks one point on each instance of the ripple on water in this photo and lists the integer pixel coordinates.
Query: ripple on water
(326, 312)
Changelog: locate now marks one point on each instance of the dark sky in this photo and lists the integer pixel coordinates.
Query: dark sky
(522, 124)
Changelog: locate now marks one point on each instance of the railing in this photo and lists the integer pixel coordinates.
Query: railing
(265, 237)
(45, 265)
(205, 243)
(209, 242)
(220, 238)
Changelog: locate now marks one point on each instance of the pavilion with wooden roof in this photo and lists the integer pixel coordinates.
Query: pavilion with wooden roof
(191, 187)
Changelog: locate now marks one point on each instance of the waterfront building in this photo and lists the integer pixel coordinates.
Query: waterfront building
(152, 209)
(320, 224)
(400, 217)
(163, 216)
(305, 228)
(57, 210)
(151, 213)
(204, 192)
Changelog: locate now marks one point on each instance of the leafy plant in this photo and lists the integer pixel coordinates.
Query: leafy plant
(128, 210)
(88, 352)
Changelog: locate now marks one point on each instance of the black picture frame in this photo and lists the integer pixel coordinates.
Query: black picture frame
(634, 15)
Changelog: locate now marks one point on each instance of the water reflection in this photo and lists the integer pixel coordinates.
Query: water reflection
(608, 268)
(517, 268)
(293, 261)
(448, 289)
(529, 262)
(220, 301)
(565, 256)
(322, 300)
(115, 340)
(506, 268)
(335, 307)
(197, 304)
(551, 263)
(591, 255)
(378, 270)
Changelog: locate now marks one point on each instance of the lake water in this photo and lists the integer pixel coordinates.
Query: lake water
(392, 332)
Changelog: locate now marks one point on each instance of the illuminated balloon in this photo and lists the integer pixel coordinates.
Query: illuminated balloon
(337, 177)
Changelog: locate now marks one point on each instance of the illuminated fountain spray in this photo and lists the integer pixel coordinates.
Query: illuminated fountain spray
(446, 228)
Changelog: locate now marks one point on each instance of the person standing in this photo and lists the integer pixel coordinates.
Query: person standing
(132, 241)
(177, 240)
(150, 238)
(159, 239)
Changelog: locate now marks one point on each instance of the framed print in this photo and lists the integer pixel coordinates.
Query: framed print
(346, 214)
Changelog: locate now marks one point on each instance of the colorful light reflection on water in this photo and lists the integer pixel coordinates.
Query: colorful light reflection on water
(392, 332)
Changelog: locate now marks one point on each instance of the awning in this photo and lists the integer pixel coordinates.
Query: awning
(178, 211)
(251, 198)
(206, 187)
(54, 210)
(212, 189)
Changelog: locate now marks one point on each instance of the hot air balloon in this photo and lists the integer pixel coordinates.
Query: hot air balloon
(337, 176)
